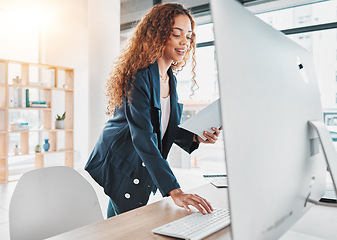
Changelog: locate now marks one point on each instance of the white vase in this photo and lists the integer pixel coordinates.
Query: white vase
(59, 124)
(16, 150)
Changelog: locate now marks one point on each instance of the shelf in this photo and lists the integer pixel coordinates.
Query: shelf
(26, 131)
(36, 65)
(30, 130)
(58, 151)
(59, 130)
(62, 89)
(39, 87)
(34, 153)
(29, 86)
(38, 130)
(46, 86)
(20, 154)
(27, 108)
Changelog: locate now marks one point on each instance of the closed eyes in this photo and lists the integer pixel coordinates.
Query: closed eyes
(175, 35)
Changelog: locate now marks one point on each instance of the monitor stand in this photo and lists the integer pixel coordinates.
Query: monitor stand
(331, 161)
(328, 149)
(292, 235)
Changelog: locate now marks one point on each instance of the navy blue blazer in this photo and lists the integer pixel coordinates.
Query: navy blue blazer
(129, 159)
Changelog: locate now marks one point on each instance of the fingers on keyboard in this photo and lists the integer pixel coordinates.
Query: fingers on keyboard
(204, 203)
(200, 203)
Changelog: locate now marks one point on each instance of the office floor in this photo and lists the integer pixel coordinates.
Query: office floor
(210, 161)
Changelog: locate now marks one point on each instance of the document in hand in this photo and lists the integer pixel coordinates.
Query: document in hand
(204, 120)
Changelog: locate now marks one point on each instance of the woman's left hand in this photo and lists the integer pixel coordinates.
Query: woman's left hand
(210, 137)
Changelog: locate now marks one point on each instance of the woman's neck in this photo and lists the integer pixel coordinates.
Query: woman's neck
(163, 65)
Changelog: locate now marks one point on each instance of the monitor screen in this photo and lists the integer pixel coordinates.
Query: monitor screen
(268, 93)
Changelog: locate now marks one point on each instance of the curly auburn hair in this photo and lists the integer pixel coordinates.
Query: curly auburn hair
(144, 47)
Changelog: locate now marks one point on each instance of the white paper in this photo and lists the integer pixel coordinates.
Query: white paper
(204, 120)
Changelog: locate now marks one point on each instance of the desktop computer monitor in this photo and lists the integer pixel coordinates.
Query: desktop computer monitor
(268, 93)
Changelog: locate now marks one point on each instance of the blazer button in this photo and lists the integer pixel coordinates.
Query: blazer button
(127, 195)
(135, 181)
(143, 164)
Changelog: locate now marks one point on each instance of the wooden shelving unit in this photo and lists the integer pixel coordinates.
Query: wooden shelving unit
(46, 86)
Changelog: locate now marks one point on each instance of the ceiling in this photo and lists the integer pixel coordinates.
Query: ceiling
(133, 10)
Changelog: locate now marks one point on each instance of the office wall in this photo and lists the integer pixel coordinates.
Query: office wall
(104, 41)
(86, 37)
(64, 42)
(52, 32)
(81, 34)
(19, 40)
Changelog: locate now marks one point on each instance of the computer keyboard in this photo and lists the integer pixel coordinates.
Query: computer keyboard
(196, 226)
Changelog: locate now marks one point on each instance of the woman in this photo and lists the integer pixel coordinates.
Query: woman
(129, 159)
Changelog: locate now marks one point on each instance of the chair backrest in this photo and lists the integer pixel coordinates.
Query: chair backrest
(50, 201)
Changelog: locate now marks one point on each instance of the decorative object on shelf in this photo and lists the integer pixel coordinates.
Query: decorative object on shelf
(17, 80)
(46, 145)
(21, 102)
(38, 148)
(11, 97)
(27, 97)
(59, 123)
(38, 104)
(16, 149)
(19, 126)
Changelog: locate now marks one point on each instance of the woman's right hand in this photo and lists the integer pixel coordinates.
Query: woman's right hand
(185, 200)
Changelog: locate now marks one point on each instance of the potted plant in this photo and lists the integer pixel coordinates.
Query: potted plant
(59, 123)
(38, 148)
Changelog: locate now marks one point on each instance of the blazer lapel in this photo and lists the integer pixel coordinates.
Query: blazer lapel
(156, 84)
(175, 115)
(176, 108)
(154, 69)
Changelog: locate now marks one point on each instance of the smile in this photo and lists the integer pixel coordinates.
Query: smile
(181, 52)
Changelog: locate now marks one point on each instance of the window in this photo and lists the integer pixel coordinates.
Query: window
(208, 157)
(304, 20)
(301, 16)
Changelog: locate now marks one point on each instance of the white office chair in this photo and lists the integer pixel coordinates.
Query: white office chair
(50, 201)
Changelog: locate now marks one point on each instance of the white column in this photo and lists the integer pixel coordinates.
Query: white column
(63, 41)
(104, 42)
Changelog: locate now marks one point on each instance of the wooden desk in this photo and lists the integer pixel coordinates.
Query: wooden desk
(137, 224)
